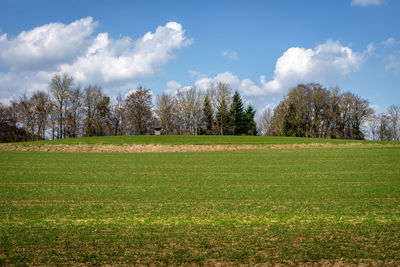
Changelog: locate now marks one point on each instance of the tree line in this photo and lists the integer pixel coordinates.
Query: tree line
(311, 110)
(65, 110)
(308, 110)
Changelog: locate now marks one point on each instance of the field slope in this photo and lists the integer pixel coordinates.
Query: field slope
(291, 205)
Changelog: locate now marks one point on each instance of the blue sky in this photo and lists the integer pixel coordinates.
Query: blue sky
(262, 48)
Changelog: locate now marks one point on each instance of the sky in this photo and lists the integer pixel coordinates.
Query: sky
(261, 48)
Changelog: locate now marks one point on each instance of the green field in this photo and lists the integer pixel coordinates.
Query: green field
(284, 206)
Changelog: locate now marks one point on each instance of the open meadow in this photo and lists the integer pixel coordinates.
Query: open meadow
(291, 204)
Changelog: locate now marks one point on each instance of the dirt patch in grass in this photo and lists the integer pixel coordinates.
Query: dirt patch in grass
(164, 148)
(127, 148)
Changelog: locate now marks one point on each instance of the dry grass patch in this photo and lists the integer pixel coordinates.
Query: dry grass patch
(139, 148)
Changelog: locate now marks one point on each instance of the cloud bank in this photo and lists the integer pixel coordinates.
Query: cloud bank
(46, 46)
(34, 55)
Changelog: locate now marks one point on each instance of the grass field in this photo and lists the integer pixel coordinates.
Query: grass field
(285, 206)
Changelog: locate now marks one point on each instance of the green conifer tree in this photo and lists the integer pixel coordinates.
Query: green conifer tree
(208, 119)
(237, 116)
(250, 124)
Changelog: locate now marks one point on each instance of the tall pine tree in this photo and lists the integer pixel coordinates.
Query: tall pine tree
(250, 124)
(237, 118)
(208, 119)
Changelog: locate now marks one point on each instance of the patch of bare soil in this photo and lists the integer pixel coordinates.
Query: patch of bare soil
(129, 148)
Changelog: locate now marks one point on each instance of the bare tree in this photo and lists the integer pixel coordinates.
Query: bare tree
(385, 132)
(221, 98)
(74, 113)
(117, 116)
(333, 121)
(265, 121)
(138, 107)
(53, 123)
(355, 112)
(27, 115)
(190, 102)
(41, 108)
(394, 117)
(60, 87)
(92, 97)
(102, 119)
(373, 125)
(166, 110)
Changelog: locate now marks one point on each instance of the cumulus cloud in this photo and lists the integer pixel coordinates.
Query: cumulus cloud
(115, 60)
(230, 54)
(364, 3)
(33, 56)
(326, 63)
(46, 46)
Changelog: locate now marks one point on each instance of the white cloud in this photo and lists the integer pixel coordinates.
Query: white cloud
(326, 63)
(13, 84)
(245, 86)
(173, 85)
(377, 108)
(370, 49)
(32, 57)
(391, 55)
(196, 74)
(393, 63)
(116, 60)
(230, 54)
(364, 3)
(46, 46)
(389, 42)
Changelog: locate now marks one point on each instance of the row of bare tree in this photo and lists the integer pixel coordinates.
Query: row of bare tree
(66, 110)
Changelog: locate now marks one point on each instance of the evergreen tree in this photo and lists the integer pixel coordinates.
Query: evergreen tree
(291, 123)
(250, 124)
(207, 117)
(237, 116)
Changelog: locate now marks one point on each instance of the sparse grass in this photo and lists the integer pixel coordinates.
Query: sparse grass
(286, 206)
(194, 140)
